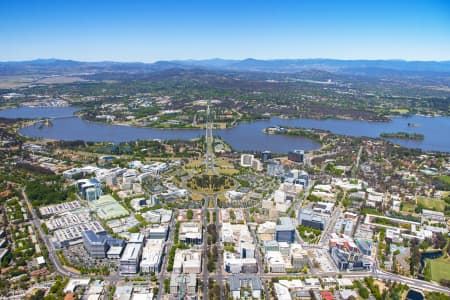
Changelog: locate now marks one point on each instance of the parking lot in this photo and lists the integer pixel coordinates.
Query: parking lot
(77, 256)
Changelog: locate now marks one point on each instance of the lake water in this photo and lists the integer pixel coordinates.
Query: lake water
(245, 136)
(37, 112)
(414, 295)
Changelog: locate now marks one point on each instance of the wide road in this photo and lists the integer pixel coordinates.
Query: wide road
(205, 276)
(259, 261)
(412, 283)
(163, 272)
(219, 247)
(54, 259)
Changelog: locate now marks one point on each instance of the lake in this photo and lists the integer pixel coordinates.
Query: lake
(245, 136)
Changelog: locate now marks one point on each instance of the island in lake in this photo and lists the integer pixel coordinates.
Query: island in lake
(402, 135)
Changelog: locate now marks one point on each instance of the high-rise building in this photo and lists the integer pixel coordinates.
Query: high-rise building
(94, 244)
(129, 262)
(266, 156)
(296, 156)
(97, 245)
(299, 257)
(89, 186)
(275, 168)
(285, 232)
(308, 217)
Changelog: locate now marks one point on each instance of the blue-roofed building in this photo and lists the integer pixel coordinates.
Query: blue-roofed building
(271, 246)
(307, 217)
(275, 169)
(365, 246)
(94, 244)
(98, 244)
(296, 156)
(266, 156)
(89, 189)
(285, 231)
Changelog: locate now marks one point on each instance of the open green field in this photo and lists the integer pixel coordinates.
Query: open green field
(431, 203)
(444, 179)
(408, 207)
(440, 269)
(225, 171)
(400, 110)
(194, 163)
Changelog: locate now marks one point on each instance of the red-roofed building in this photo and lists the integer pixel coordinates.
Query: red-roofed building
(327, 295)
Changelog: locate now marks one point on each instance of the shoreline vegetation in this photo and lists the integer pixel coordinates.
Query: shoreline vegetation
(402, 135)
(294, 131)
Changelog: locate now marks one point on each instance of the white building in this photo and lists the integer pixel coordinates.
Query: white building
(187, 261)
(151, 255)
(129, 262)
(275, 261)
(191, 233)
(246, 160)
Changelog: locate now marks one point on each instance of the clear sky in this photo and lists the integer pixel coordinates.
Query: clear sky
(147, 31)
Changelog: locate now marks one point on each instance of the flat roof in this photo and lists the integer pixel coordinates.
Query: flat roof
(131, 252)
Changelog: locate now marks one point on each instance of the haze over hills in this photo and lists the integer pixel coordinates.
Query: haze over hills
(355, 67)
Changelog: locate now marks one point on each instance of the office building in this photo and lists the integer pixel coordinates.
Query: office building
(191, 233)
(266, 156)
(275, 169)
(91, 194)
(89, 189)
(152, 256)
(270, 246)
(309, 218)
(432, 216)
(187, 261)
(246, 160)
(257, 164)
(97, 245)
(346, 254)
(72, 235)
(251, 281)
(185, 285)
(247, 250)
(94, 244)
(296, 156)
(266, 231)
(275, 262)
(299, 257)
(235, 265)
(136, 238)
(129, 262)
(365, 246)
(114, 252)
(285, 231)
(158, 232)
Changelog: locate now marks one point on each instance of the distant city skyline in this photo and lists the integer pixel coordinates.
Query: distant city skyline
(149, 31)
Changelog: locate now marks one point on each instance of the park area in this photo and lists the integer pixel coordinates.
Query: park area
(431, 203)
(440, 269)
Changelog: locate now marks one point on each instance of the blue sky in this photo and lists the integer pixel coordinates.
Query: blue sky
(162, 30)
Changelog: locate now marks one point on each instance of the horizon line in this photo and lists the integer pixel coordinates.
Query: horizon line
(220, 58)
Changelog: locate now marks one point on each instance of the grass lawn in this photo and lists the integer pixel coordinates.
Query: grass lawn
(227, 171)
(196, 197)
(194, 164)
(444, 179)
(400, 110)
(408, 207)
(433, 204)
(223, 163)
(440, 269)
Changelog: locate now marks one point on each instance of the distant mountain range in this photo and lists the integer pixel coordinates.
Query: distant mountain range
(355, 67)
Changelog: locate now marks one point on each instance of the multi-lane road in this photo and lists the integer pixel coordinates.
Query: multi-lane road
(54, 260)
